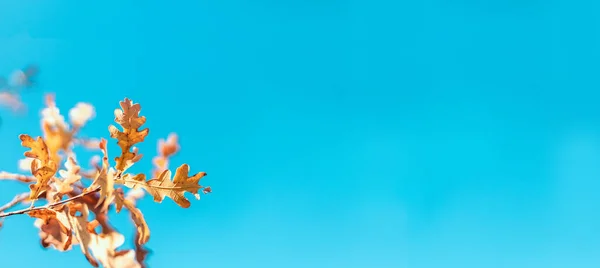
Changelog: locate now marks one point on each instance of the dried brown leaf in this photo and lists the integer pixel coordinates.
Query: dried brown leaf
(162, 186)
(129, 119)
(81, 230)
(64, 223)
(44, 168)
(105, 180)
(141, 252)
(103, 247)
(55, 228)
(56, 133)
(136, 215)
(69, 177)
(166, 149)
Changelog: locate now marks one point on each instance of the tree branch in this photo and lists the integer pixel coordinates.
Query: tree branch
(23, 211)
(18, 199)
(16, 177)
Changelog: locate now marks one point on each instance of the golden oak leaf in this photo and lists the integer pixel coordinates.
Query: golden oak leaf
(38, 147)
(44, 168)
(130, 120)
(57, 139)
(129, 115)
(162, 186)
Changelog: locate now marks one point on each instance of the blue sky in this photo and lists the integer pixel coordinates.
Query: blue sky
(418, 134)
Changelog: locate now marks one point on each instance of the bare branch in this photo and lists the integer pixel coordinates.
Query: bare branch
(18, 199)
(23, 211)
(17, 177)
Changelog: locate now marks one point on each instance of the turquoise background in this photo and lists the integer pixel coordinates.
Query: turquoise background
(418, 134)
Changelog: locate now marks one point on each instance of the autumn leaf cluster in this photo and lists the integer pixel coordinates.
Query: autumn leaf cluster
(76, 201)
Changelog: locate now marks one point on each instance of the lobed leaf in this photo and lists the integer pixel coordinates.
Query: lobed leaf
(43, 169)
(162, 186)
(73, 221)
(130, 120)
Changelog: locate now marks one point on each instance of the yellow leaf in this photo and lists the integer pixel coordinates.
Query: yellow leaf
(43, 169)
(162, 186)
(56, 133)
(129, 119)
(38, 147)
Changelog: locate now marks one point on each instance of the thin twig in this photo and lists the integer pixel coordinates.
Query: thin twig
(18, 199)
(88, 174)
(16, 177)
(23, 211)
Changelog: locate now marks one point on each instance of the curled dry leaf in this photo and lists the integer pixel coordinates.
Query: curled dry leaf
(82, 230)
(141, 252)
(136, 215)
(55, 228)
(104, 180)
(104, 247)
(142, 233)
